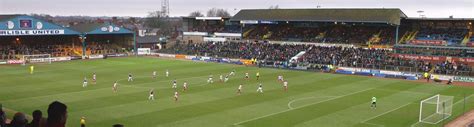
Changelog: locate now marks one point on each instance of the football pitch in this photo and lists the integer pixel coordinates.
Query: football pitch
(312, 100)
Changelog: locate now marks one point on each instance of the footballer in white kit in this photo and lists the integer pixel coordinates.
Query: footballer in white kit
(152, 95)
(175, 84)
(280, 78)
(176, 95)
(285, 85)
(239, 90)
(221, 78)
(167, 73)
(210, 79)
(226, 78)
(185, 86)
(84, 84)
(94, 76)
(232, 73)
(114, 87)
(154, 74)
(260, 88)
(130, 77)
(247, 76)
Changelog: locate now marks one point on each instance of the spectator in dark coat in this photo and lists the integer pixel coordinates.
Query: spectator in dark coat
(3, 117)
(38, 120)
(57, 115)
(19, 120)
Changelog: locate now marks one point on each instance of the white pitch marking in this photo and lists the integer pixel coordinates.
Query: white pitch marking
(378, 125)
(235, 124)
(365, 121)
(305, 98)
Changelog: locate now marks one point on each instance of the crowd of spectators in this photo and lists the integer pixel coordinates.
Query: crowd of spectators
(345, 56)
(451, 68)
(10, 51)
(260, 51)
(325, 55)
(96, 48)
(57, 50)
(379, 59)
(435, 51)
(452, 36)
(57, 116)
(215, 26)
(348, 34)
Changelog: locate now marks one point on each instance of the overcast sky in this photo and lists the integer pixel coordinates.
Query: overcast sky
(431, 8)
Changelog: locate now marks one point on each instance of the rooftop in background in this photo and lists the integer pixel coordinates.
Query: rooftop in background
(368, 15)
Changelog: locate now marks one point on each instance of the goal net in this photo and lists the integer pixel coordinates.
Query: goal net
(435, 109)
(39, 58)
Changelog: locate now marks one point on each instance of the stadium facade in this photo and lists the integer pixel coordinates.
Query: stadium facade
(28, 30)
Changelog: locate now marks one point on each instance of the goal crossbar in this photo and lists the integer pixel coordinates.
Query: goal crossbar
(37, 58)
(442, 105)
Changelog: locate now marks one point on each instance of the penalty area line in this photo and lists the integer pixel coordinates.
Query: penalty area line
(235, 124)
(365, 121)
(307, 98)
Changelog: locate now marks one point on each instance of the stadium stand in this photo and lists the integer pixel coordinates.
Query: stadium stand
(350, 26)
(436, 31)
(36, 36)
(464, 52)
(322, 55)
(216, 24)
(324, 33)
(360, 27)
(263, 51)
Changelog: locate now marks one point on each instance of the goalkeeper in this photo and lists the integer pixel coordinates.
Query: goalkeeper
(32, 69)
(374, 103)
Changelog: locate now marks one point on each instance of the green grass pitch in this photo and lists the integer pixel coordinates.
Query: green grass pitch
(313, 99)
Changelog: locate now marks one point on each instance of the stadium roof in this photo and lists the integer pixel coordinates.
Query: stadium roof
(6, 17)
(368, 15)
(24, 25)
(441, 19)
(100, 28)
(86, 27)
(148, 39)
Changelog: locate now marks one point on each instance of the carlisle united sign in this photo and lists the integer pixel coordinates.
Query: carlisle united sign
(31, 32)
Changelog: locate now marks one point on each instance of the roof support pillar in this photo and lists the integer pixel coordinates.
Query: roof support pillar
(84, 45)
(396, 34)
(242, 31)
(135, 52)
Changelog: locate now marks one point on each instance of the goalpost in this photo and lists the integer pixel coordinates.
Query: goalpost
(435, 109)
(38, 58)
